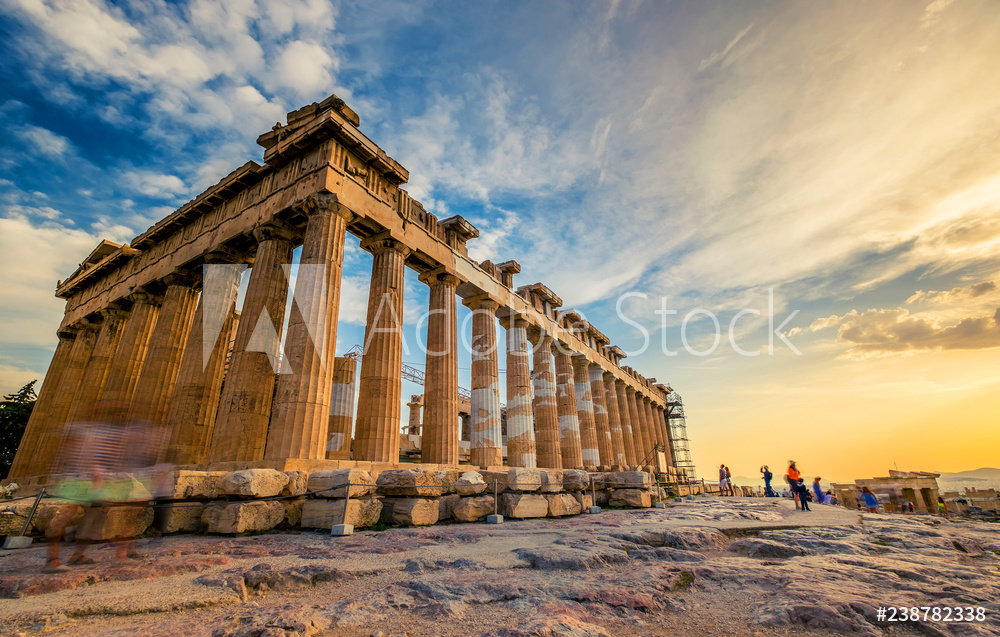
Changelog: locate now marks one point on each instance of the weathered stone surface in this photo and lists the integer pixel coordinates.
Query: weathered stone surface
(448, 479)
(584, 499)
(412, 511)
(293, 511)
(445, 505)
(629, 480)
(46, 512)
(523, 505)
(111, 523)
(181, 517)
(240, 517)
(256, 483)
(473, 509)
(575, 480)
(500, 477)
(520, 479)
(561, 504)
(636, 498)
(470, 483)
(409, 482)
(298, 483)
(322, 514)
(551, 479)
(361, 481)
(193, 484)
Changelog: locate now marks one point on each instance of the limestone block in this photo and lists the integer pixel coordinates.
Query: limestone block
(361, 481)
(635, 498)
(123, 487)
(193, 484)
(256, 483)
(293, 511)
(70, 514)
(575, 480)
(584, 499)
(552, 480)
(323, 514)
(473, 509)
(445, 505)
(181, 517)
(115, 522)
(630, 480)
(414, 511)
(470, 483)
(10, 523)
(519, 479)
(298, 483)
(561, 504)
(523, 505)
(602, 497)
(240, 517)
(409, 482)
(448, 479)
(499, 476)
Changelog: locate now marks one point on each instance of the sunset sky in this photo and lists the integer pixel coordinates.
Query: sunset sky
(839, 160)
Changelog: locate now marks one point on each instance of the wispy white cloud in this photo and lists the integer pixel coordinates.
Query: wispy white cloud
(44, 141)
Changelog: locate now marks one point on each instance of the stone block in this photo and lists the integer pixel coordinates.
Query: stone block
(520, 479)
(552, 480)
(445, 505)
(254, 483)
(634, 498)
(494, 519)
(490, 476)
(298, 483)
(414, 511)
(181, 517)
(239, 517)
(341, 530)
(472, 509)
(182, 485)
(630, 480)
(324, 514)
(602, 497)
(584, 499)
(575, 480)
(17, 542)
(123, 487)
(68, 514)
(523, 505)
(470, 483)
(361, 482)
(409, 482)
(448, 479)
(114, 522)
(293, 511)
(561, 504)
(10, 523)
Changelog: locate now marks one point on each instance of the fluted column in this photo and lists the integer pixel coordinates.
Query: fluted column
(629, 432)
(376, 436)
(240, 431)
(95, 378)
(601, 423)
(569, 419)
(614, 420)
(166, 349)
(126, 366)
(661, 415)
(194, 405)
(654, 425)
(439, 444)
(520, 417)
(486, 442)
(546, 410)
(414, 424)
(48, 452)
(341, 404)
(38, 421)
(646, 413)
(300, 418)
(585, 412)
(638, 429)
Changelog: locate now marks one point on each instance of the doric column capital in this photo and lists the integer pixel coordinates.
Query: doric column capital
(114, 313)
(67, 333)
(383, 242)
(440, 274)
(183, 278)
(630, 389)
(480, 302)
(580, 362)
(140, 295)
(224, 255)
(324, 203)
(274, 230)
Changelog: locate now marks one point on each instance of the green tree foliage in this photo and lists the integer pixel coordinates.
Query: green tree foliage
(15, 409)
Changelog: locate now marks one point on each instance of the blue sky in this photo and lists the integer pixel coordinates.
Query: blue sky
(844, 155)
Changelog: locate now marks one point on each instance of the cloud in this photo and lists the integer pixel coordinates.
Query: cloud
(44, 140)
(720, 56)
(154, 184)
(973, 291)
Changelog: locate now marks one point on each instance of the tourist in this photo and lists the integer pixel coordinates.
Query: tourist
(768, 476)
(942, 507)
(723, 482)
(818, 490)
(729, 482)
(792, 477)
(830, 497)
(871, 502)
(909, 506)
(803, 492)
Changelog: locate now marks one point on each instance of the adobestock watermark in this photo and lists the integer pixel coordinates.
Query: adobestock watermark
(664, 313)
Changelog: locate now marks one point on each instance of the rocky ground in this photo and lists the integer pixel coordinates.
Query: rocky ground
(712, 566)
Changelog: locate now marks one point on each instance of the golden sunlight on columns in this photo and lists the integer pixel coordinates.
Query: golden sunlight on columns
(439, 444)
(546, 412)
(486, 442)
(520, 418)
(614, 419)
(123, 375)
(569, 420)
(341, 405)
(629, 438)
(601, 423)
(96, 377)
(585, 411)
(639, 436)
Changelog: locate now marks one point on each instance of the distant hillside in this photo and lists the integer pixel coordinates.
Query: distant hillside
(985, 474)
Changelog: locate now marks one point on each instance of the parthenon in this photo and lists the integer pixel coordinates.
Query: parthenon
(149, 326)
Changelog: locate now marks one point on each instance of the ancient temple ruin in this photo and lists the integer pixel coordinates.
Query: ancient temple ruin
(149, 325)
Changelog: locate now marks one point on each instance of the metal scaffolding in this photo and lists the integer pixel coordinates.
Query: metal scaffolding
(678, 434)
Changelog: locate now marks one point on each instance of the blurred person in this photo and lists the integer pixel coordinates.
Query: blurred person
(818, 490)
(729, 483)
(723, 483)
(803, 492)
(768, 476)
(792, 477)
(871, 502)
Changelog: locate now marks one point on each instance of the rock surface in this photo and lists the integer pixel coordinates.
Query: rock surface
(253, 483)
(240, 517)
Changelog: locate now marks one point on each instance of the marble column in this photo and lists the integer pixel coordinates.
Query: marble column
(629, 432)
(646, 413)
(439, 444)
(585, 411)
(654, 424)
(39, 414)
(614, 420)
(486, 442)
(638, 430)
(300, 418)
(341, 420)
(240, 431)
(96, 376)
(543, 385)
(569, 419)
(48, 452)
(661, 414)
(376, 434)
(601, 423)
(414, 405)
(166, 350)
(126, 366)
(193, 408)
(520, 417)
